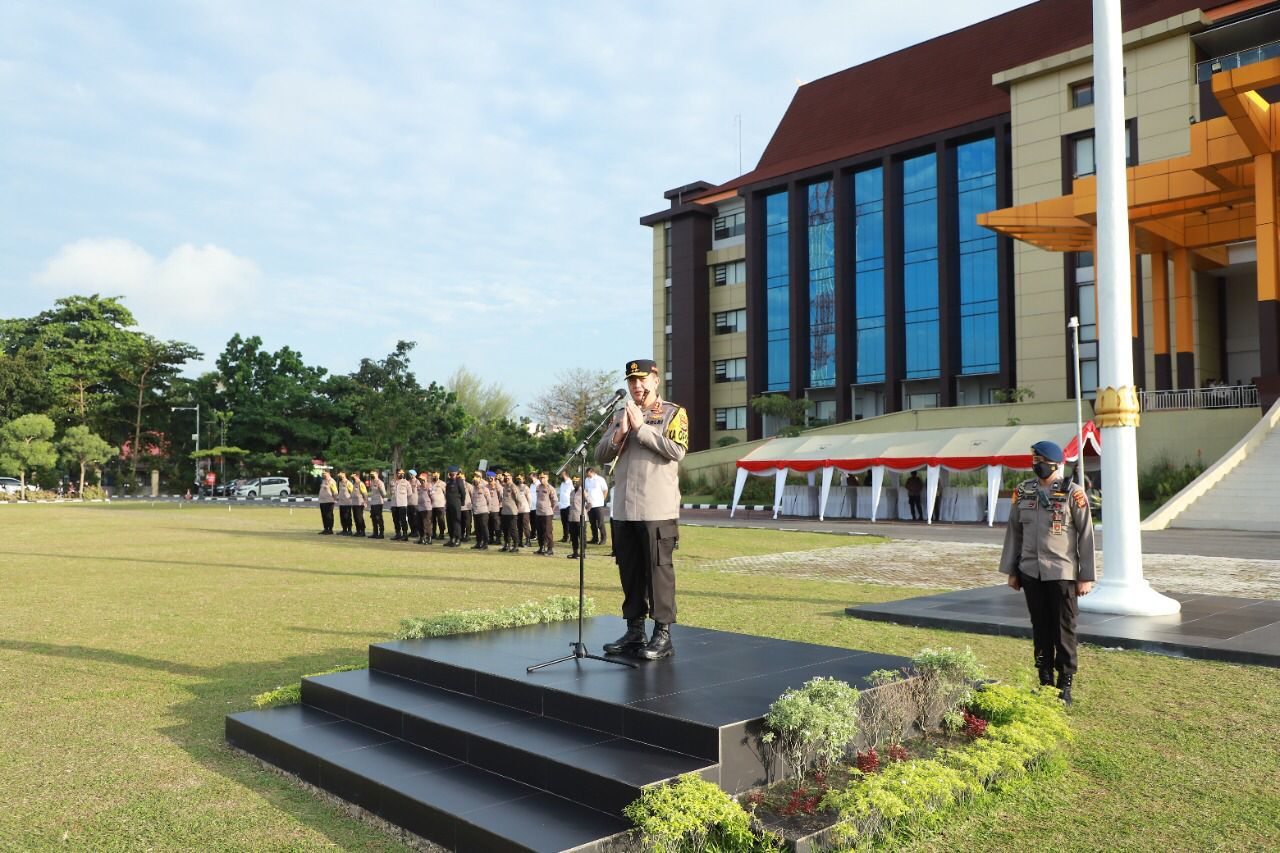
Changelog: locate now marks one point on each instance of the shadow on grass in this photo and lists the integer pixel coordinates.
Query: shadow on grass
(684, 592)
(216, 691)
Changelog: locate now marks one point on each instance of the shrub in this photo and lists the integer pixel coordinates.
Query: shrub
(757, 490)
(943, 681)
(692, 814)
(93, 493)
(556, 608)
(1023, 732)
(1163, 479)
(726, 440)
(885, 714)
(291, 694)
(813, 724)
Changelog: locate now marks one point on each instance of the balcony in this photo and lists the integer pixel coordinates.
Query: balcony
(1218, 397)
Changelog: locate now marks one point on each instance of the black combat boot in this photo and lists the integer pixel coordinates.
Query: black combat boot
(632, 641)
(1064, 686)
(659, 644)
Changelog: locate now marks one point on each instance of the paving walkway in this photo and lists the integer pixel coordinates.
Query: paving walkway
(939, 564)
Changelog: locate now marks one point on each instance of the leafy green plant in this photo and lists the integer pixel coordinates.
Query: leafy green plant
(1024, 731)
(692, 814)
(555, 608)
(291, 694)
(814, 724)
(726, 440)
(944, 679)
(1162, 480)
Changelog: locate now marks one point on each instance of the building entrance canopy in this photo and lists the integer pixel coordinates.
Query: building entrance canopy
(963, 449)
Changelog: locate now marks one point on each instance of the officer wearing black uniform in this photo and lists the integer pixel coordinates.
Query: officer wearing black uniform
(1049, 555)
(648, 438)
(455, 494)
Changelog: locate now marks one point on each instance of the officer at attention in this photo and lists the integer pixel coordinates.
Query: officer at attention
(328, 495)
(1049, 555)
(648, 438)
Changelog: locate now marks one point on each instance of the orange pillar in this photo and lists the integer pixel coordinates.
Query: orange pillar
(1184, 338)
(1266, 190)
(1160, 320)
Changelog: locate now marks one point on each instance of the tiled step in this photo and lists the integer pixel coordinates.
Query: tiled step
(458, 806)
(589, 766)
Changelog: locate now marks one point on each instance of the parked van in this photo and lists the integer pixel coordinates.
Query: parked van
(264, 487)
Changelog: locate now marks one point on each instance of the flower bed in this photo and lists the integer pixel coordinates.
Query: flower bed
(926, 744)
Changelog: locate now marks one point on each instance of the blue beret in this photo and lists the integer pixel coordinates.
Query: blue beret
(453, 468)
(412, 473)
(1048, 450)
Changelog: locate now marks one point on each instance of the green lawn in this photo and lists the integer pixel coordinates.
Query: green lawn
(127, 633)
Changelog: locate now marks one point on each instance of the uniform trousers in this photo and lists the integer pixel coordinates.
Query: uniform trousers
(510, 530)
(645, 551)
(453, 513)
(917, 511)
(437, 522)
(546, 531)
(424, 524)
(411, 519)
(357, 513)
(1053, 609)
(482, 528)
(526, 528)
(466, 524)
(344, 516)
(397, 519)
(599, 530)
(375, 519)
(577, 534)
(564, 524)
(495, 526)
(326, 517)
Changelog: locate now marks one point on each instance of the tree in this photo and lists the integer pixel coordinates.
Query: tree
(572, 401)
(782, 407)
(278, 399)
(483, 402)
(25, 443)
(80, 445)
(82, 338)
(24, 384)
(150, 362)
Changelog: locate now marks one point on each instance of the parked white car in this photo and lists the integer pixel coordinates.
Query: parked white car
(12, 485)
(264, 487)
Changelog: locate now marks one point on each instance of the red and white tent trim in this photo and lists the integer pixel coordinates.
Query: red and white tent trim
(963, 449)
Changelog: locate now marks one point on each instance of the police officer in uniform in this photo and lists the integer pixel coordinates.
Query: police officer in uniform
(377, 497)
(1049, 555)
(647, 438)
(455, 494)
(480, 511)
(328, 494)
(344, 503)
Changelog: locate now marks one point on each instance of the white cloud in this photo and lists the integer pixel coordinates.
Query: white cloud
(189, 286)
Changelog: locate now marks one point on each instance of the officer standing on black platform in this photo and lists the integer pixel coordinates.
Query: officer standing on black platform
(648, 438)
(1049, 555)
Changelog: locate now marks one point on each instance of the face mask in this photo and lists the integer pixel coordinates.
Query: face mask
(1044, 470)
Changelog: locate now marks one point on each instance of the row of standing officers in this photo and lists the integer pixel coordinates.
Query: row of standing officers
(493, 506)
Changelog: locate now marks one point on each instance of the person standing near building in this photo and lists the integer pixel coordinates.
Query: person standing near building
(579, 509)
(597, 490)
(566, 488)
(359, 500)
(437, 527)
(1049, 555)
(455, 492)
(915, 486)
(480, 511)
(548, 504)
(328, 494)
(377, 497)
(344, 503)
(648, 438)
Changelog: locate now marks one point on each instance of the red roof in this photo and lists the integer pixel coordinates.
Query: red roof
(932, 86)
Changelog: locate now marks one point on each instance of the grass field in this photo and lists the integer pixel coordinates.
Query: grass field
(127, 633)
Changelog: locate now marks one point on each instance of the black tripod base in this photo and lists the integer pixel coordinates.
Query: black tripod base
(579, 652)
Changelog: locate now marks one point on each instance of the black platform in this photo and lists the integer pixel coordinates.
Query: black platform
(453, 740)
(1210, 627)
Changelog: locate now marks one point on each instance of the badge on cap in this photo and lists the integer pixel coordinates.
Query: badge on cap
(641, 367)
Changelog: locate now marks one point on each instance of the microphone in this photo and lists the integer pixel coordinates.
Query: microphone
(613, 401)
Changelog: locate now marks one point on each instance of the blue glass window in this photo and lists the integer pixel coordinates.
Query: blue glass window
(979, 280)
(868, 289)
(822, 286)
(777, 283)
(920, 265)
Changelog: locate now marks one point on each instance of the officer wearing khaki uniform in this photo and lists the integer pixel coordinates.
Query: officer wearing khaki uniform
(1049, 555)
(344, 503)
(647, 438)
(377, 497)
(328, 494)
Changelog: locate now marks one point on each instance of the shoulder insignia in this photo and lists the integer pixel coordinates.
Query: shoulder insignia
(678, 428)
(1082, 500)
(1027, 488)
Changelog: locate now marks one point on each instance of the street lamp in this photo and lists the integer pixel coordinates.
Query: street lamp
(196, 409)
(1074, 325)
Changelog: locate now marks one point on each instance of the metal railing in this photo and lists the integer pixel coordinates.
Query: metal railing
(1220, 397)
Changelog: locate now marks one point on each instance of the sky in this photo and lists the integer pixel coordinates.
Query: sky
(336, 176)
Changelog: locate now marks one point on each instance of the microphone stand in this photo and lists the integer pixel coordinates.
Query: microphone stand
(580, 452)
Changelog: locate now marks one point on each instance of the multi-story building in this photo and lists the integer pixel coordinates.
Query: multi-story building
(849, 267)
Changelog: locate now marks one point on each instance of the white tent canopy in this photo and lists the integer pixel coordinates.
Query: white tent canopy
(961, 449)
